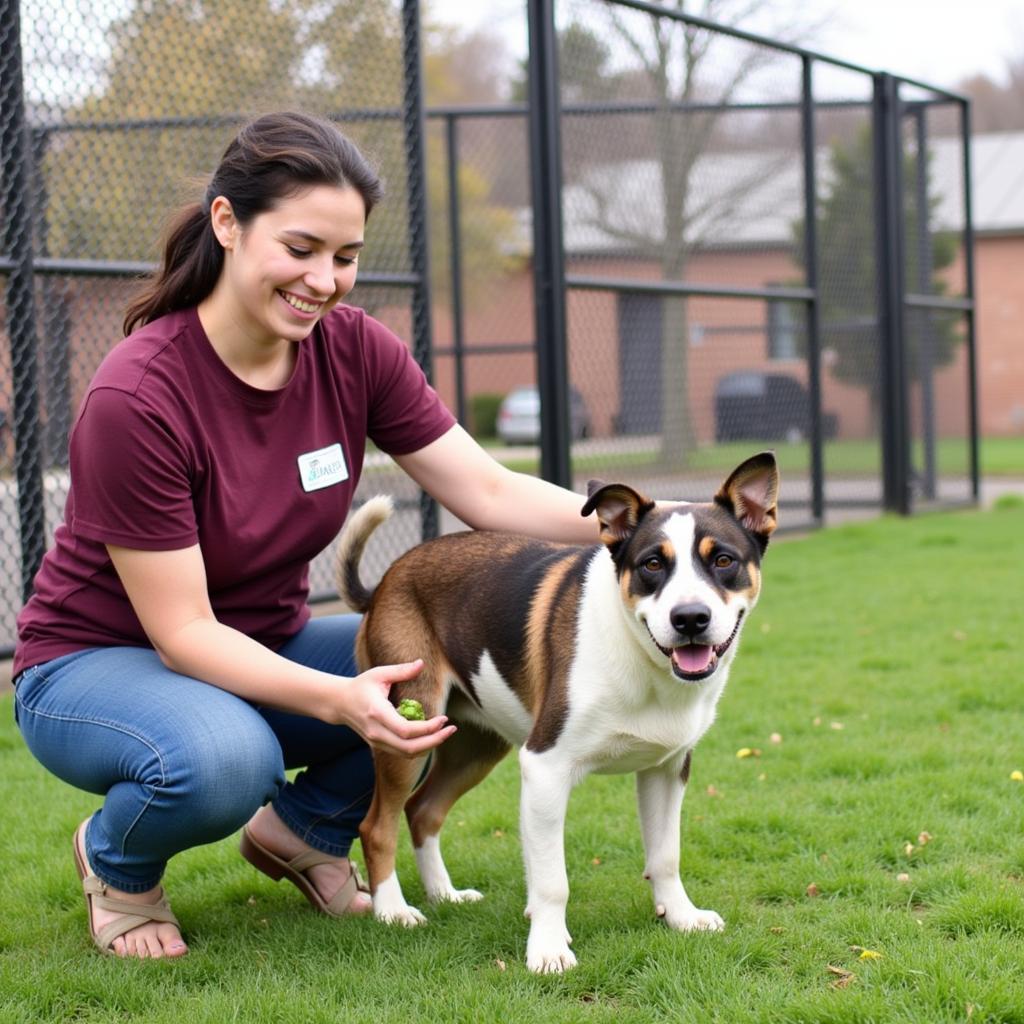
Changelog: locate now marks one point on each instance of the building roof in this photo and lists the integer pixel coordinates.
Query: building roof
(754, 198)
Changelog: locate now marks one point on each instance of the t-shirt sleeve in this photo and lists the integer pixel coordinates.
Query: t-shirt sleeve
(131, 474)
(404, 412)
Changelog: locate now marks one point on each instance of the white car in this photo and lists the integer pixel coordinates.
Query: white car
(519, 416)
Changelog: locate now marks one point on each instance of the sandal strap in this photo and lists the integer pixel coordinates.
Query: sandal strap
(132, 914)
(310, 859)
(340, 901)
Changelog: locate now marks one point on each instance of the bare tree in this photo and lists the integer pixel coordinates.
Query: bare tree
(697, 83)
(997, 107)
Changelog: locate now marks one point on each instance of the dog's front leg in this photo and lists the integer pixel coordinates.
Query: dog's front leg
(660, 796)
(546, 785)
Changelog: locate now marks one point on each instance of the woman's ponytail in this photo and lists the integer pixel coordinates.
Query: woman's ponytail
(192, 263)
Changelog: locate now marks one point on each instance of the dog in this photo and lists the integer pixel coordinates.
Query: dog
(609, 658)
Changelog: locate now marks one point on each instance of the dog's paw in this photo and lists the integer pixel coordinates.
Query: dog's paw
(408, 917)
(556, 960)
(456, 896)
(690, 919)
(396, 911)
(547, 948)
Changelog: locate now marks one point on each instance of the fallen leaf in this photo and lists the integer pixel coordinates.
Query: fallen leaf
(748, 752)
(711, 791)
(903, 877)
(762, 777)
(501, 965)
(777, 931)
(866, 954)
(1017, 776)
(812, 890)
(836, 725)
(924, 838)
(596, 861)
(844, 978)
(908, 849)
(817, 720)
(776, 737)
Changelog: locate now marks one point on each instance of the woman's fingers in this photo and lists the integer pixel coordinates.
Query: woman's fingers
(389, 730)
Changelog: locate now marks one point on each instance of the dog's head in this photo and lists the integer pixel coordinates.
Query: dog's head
(689, 573)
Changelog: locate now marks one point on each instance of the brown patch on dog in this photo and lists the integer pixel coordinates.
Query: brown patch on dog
(706, 548)
(550, 651)
(754, 572)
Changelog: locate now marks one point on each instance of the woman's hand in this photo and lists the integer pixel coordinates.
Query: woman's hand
(364, 705)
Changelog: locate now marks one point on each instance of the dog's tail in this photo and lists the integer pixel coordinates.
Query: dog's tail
(353, 540)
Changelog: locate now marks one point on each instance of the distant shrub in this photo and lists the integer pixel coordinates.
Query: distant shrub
(1008, 501)
(483, 414)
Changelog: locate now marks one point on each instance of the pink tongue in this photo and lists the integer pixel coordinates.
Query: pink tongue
(693, 657)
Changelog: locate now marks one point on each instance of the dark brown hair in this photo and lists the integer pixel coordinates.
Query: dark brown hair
(272, 158)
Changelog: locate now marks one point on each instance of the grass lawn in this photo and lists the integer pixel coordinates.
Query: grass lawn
(868, 855)
(998, 456)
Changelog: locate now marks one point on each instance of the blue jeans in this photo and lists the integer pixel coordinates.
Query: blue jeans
(181, 762)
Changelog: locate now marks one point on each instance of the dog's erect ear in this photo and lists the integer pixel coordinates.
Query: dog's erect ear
(619, 509)
(751, 494)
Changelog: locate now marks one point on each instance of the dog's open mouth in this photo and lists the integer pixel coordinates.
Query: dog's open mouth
(693, 662)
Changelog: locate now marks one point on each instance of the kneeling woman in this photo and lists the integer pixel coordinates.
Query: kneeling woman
(167, 659)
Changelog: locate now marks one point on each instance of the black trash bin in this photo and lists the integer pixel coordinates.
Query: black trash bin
(753, 405)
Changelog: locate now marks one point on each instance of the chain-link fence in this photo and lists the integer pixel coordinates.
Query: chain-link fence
(675, 245)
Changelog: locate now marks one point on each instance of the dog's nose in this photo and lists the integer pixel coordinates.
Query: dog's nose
(691, 619)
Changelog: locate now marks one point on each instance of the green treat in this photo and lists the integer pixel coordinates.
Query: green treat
(411, 709)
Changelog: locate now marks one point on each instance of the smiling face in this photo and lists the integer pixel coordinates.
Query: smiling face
(290, 266)
(689, 577)
(689, 574)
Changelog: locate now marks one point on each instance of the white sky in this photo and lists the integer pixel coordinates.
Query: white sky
(936, 41)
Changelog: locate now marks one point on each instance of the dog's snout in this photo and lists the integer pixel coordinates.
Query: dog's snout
(691, 619)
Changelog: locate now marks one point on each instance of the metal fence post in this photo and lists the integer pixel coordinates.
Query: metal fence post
(16, 203)
(889, 237)
(414, 125)
(972, 350)
(548, 252)
(924, 323)
(813, 307)
(455, 267)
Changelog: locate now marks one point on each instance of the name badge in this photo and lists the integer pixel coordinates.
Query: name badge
(323, 468)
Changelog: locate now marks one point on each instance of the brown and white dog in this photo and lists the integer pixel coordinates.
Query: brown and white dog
(605, 659)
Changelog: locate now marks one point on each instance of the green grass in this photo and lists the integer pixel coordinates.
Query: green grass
(998, 456)
(888, 658)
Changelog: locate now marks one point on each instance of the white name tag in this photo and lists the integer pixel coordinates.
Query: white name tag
(322, 468)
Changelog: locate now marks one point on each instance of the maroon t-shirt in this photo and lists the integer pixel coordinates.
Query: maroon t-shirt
(171, 449)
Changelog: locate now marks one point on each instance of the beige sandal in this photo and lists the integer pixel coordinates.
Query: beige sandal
(133, 914)
(294, 870)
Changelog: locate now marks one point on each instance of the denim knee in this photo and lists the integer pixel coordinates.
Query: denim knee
(223, 774)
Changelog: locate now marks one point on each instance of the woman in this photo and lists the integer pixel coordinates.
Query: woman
(167, 658)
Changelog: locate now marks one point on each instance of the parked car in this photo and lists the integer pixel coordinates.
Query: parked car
(755, 405)
(519, 416)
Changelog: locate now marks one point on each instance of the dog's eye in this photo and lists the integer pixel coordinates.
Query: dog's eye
(653, 564)
(724, 561)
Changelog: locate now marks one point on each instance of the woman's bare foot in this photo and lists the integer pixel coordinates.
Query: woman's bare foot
(148, 941)
(270, 831)
(152, 940)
